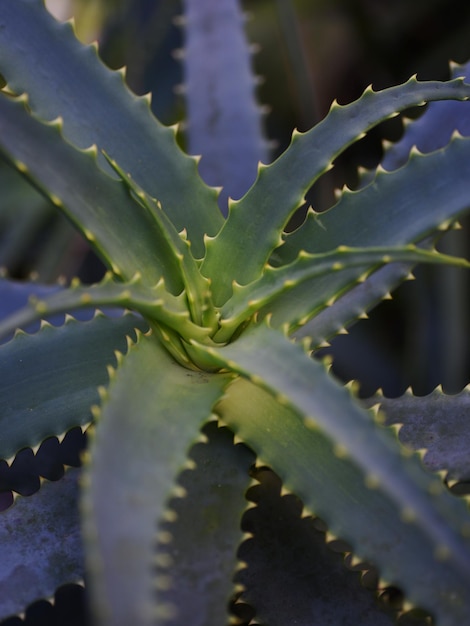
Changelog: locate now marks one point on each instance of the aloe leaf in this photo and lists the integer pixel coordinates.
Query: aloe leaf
(386, 201)
(224, 121)
(436, 424)
(259, 294)
(327, 409)
(333, 486)
(100, 206)
(41, 397)
(14, 295)
(200, 559)
(155, 303)
(39, 55)
(151, 416)
(339, 313)
(196, 287)
(41, 545)
(263, 212)
(397, 208)
(433, 129)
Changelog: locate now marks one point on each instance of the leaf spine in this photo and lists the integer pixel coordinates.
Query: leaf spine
(408, 515)
(20, 166)
(340, 451)
(164, 537)
(442, 553)
(55, 200)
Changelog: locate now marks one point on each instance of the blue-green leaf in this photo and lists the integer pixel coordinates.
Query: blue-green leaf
(151, 416)
(66, 79)
(49, 379)
(40, 544)
(279, 190)
(310, 430)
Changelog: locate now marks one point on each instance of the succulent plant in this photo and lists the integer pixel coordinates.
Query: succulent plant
(223, 318)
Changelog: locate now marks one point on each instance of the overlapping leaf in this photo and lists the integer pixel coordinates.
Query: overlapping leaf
(49, 379)
(348, 470)
(399, 207)
(100, 206)
(39, 56)
(263, 212)
(152, 415)
(277, 282)
(436, 424)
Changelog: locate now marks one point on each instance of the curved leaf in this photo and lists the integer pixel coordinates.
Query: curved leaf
(276, 282)
(155, 303)
(201, 558)
(354, 304)
(150, 418)
(373, 467)
(177, 250)
(262, 213)
(356, 509)
(39, 55)
(100, 207)
(436, 424)
(433, 130)
(40, 543)
(397, 208)
(49, 380)
(224, 120)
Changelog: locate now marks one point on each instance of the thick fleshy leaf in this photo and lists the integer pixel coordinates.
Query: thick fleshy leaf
(150, 418)
(354, 304)
(155, 303)
(39, 55)
(367, 453)
(100, 206)
(277, 282)
(436, 424)
(355, 508)
(262, 213)
(15, 294)
(40, 544)
(433, 129)
(224, 119)
(196, 287)
(399, 207)
(49, 380)
(201, 557)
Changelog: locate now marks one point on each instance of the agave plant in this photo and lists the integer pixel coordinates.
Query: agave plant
(223, 318)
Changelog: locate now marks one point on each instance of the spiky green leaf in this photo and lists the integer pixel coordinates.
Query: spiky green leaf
(263, 212)
(198, 565)
(49, 380)
(155, 303)
(39, 56)
(93, 200)
(318, 434)
(397, 208)
(277, 282)
(224, 122)
(357, 508)
(152, 415)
